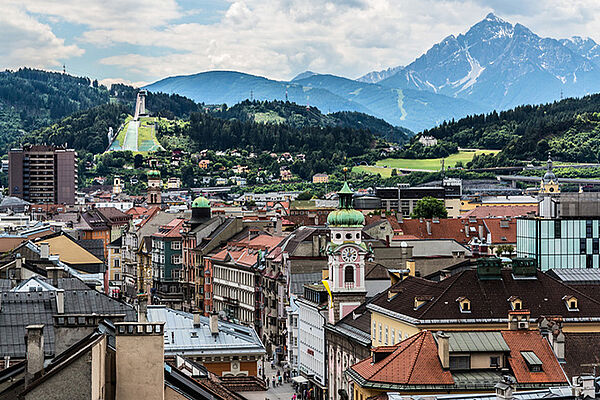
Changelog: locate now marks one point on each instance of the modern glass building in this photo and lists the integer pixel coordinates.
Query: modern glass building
(560, 243)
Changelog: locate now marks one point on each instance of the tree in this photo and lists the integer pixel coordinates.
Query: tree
(429, 207)
(504, 249)
(138, 161)
(306, 195)
(394, 172)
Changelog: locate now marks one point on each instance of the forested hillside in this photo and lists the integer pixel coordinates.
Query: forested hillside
(30, 99)
(569, 128)
(84, 130)
(298, 116)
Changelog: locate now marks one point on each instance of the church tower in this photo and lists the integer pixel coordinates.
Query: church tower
(549, 183)
(154, 189)
(346, 257)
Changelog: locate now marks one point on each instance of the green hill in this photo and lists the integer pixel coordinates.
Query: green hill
(298, 116)
(570, 129)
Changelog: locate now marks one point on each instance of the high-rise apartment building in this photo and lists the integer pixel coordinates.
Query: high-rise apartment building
(43, 174)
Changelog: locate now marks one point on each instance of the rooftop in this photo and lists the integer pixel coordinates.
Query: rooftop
(182, 337)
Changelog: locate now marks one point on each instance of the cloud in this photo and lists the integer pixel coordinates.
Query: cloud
(109, 81)
(150, 39)
(27, 42)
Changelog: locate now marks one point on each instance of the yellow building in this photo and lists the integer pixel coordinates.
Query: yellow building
(479, 299)
(320, 178)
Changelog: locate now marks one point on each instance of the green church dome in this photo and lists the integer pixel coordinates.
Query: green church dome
(345, 218)
(345, 215)
(153, 174)
(200, 202)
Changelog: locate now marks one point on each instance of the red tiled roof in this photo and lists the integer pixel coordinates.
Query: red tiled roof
(170, 230)
(519, 341)
(500, 211)
(413, 361)
(500, 232)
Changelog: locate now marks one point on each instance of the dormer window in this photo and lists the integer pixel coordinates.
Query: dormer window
(464, 304)
(515, 303)
(349, 274)
(533, 362)
(571, 302)
(420, 300)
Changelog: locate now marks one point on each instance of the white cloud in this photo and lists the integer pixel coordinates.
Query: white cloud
(27, 42)
(279, 38)
(109, 81)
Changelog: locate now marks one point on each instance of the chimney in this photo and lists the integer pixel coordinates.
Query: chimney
(34, 340)
(18, 263)
(44, 250)
(214, 323)
(443, 343)
(60, 301)
(428, 223)
(480, 229)
(505, 388)
(196, 315)
(278, 225)
(142, 308)
(558, 345)
(139, 347)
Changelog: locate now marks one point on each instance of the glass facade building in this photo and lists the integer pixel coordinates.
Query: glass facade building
(560, 243)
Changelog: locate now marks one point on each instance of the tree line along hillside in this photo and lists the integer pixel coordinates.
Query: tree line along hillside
(325, 147)
(31, 99)
(570, 129)
(298, 116)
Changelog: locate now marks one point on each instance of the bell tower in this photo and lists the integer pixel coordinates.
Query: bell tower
(346, 257)
(154, 188)
(549, 183)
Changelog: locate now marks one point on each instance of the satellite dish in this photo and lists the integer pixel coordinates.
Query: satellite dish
(403, 244)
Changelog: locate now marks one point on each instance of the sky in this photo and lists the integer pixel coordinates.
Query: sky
(141, 41)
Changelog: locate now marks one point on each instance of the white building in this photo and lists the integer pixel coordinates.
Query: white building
(312, 316)
(292, 336)
(119, 205)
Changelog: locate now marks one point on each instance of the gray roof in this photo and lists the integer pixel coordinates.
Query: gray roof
(297, 281)
(477, 342)
(19, 309)
(576, 275)
(181, 337)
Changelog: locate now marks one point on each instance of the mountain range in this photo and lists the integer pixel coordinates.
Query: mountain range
(495, 65)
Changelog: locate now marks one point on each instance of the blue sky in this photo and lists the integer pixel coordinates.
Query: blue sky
(140, 41)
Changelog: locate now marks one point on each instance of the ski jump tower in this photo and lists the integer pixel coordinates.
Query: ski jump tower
(140, 104)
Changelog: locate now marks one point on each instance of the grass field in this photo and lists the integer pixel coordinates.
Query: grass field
(146, 136)
(384, 167)
(268, 117)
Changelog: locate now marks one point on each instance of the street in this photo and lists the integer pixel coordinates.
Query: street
(283, 392)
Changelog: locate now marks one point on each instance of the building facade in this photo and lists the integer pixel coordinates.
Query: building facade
(43, 174)
(560, 242)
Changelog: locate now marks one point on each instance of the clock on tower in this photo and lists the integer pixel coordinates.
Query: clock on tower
(346, 257)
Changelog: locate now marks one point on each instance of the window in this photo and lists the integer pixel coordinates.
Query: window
(348, 236)
(460, 362)
(349, 274)
(175, 245)
(175, 259)
(374, 330)
(338, 235)
(494, 362)
(589, 261)
(588, 229)
(393, 336)
(386, 336)
(571, 303)
(595, 246)
(380, 332)
(116, 263)
(532, 361)
(582, 246)
(557, 230)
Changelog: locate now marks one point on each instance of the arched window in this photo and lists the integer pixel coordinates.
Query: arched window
(349, 274)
